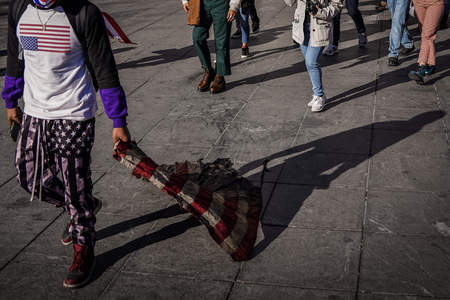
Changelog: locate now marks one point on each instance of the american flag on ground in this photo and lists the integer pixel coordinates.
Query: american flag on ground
(55, 38)
(227, 204)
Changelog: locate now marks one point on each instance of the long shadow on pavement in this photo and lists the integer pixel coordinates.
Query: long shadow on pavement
(301, 165)
(297, 157)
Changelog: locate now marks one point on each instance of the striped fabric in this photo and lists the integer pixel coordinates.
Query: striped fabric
(227, 204)
(51, 38)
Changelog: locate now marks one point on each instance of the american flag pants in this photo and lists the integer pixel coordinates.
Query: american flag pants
(46, 148)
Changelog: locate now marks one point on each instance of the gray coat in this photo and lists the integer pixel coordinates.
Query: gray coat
(321, 29)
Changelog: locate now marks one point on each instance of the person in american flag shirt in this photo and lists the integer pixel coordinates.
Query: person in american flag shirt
(58, 54)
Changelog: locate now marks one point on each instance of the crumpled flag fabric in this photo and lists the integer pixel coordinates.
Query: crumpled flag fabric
(226, 203)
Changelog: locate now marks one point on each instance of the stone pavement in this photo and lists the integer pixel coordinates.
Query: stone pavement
(357, 198)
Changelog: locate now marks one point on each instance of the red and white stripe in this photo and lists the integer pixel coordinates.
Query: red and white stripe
(55, 38)
(232, 217)
(114, 30)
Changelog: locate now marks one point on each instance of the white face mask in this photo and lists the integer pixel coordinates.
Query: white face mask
(44, 3)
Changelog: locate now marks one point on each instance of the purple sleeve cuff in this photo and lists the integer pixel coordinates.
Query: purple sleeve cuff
(12, 91)
(115, 104)
(120, 122)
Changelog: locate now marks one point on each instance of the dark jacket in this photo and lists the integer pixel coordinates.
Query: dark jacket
(87, 21)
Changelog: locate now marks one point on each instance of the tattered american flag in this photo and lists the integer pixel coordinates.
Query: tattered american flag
(55, 38)
(226, 203)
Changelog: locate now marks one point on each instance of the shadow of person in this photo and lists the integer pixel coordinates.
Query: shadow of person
(300, 165)
(387, 80)
(107, 259)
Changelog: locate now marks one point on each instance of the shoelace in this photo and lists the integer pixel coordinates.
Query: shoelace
(39, 155)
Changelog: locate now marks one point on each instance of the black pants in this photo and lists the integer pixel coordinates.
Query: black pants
(355, 14)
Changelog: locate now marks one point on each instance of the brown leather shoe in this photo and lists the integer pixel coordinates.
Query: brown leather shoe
(218, 85)
(208, 76)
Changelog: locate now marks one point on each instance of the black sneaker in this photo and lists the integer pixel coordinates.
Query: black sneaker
(393, 61)
(245, 52)
(418, 75)
(237, 34)
(83, 264)
(405, 51)
(66, 238)
(255, 26)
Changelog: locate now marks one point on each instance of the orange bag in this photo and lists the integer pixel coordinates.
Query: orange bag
(194, 12)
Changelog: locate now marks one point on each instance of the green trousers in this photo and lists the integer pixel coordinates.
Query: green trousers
(213, 12)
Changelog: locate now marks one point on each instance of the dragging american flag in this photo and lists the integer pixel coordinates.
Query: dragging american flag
(54, 38)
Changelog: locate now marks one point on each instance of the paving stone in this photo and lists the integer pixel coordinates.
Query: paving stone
(339, 117)
(324, 170)
(259, 134)
(408, 213)
(254, 291)
(21, 219)
(319, 139)
(124, 194)
(149, 286)
(314, 259)
(45, 281)
(306, 207)
(409, 173)
(393, 142)
(8, 157)
(393, 296)
(181, 246)
(423, 119)
(202, 131)
(418, 266)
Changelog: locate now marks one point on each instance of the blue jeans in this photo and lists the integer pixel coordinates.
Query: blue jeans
(243, 22)
(399, 34)
(312, 55)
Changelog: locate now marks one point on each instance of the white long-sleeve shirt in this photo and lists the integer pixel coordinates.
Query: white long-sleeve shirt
(234, 4)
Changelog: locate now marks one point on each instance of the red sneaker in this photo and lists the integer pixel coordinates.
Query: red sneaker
(80, 272)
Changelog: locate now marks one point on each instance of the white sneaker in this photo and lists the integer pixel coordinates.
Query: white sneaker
(319, 104)
(332, 50)
(310, 103)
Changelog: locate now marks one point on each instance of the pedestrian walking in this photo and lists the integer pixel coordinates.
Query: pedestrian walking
(311, 28)
(253, 16)
(400, 40)
(355, 14)
(429, 13)
(221, 14)
(243, 17)
(66, 51)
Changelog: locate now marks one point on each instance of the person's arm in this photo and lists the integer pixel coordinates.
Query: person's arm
(14, 84)
(104, 67)
(329, 12)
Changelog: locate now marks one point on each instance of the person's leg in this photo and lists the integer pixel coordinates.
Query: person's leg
(355, 14)
(336, 30)
(74, 156)
(218, 10)
(245, 27)
(200, 36)
(254, 16)
(25, 161)
(430, 26)
(312, 55)
(398, 34)
(424, 46)
(314, 70)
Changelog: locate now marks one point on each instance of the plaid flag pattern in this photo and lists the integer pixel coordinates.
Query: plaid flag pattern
(227, 204)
